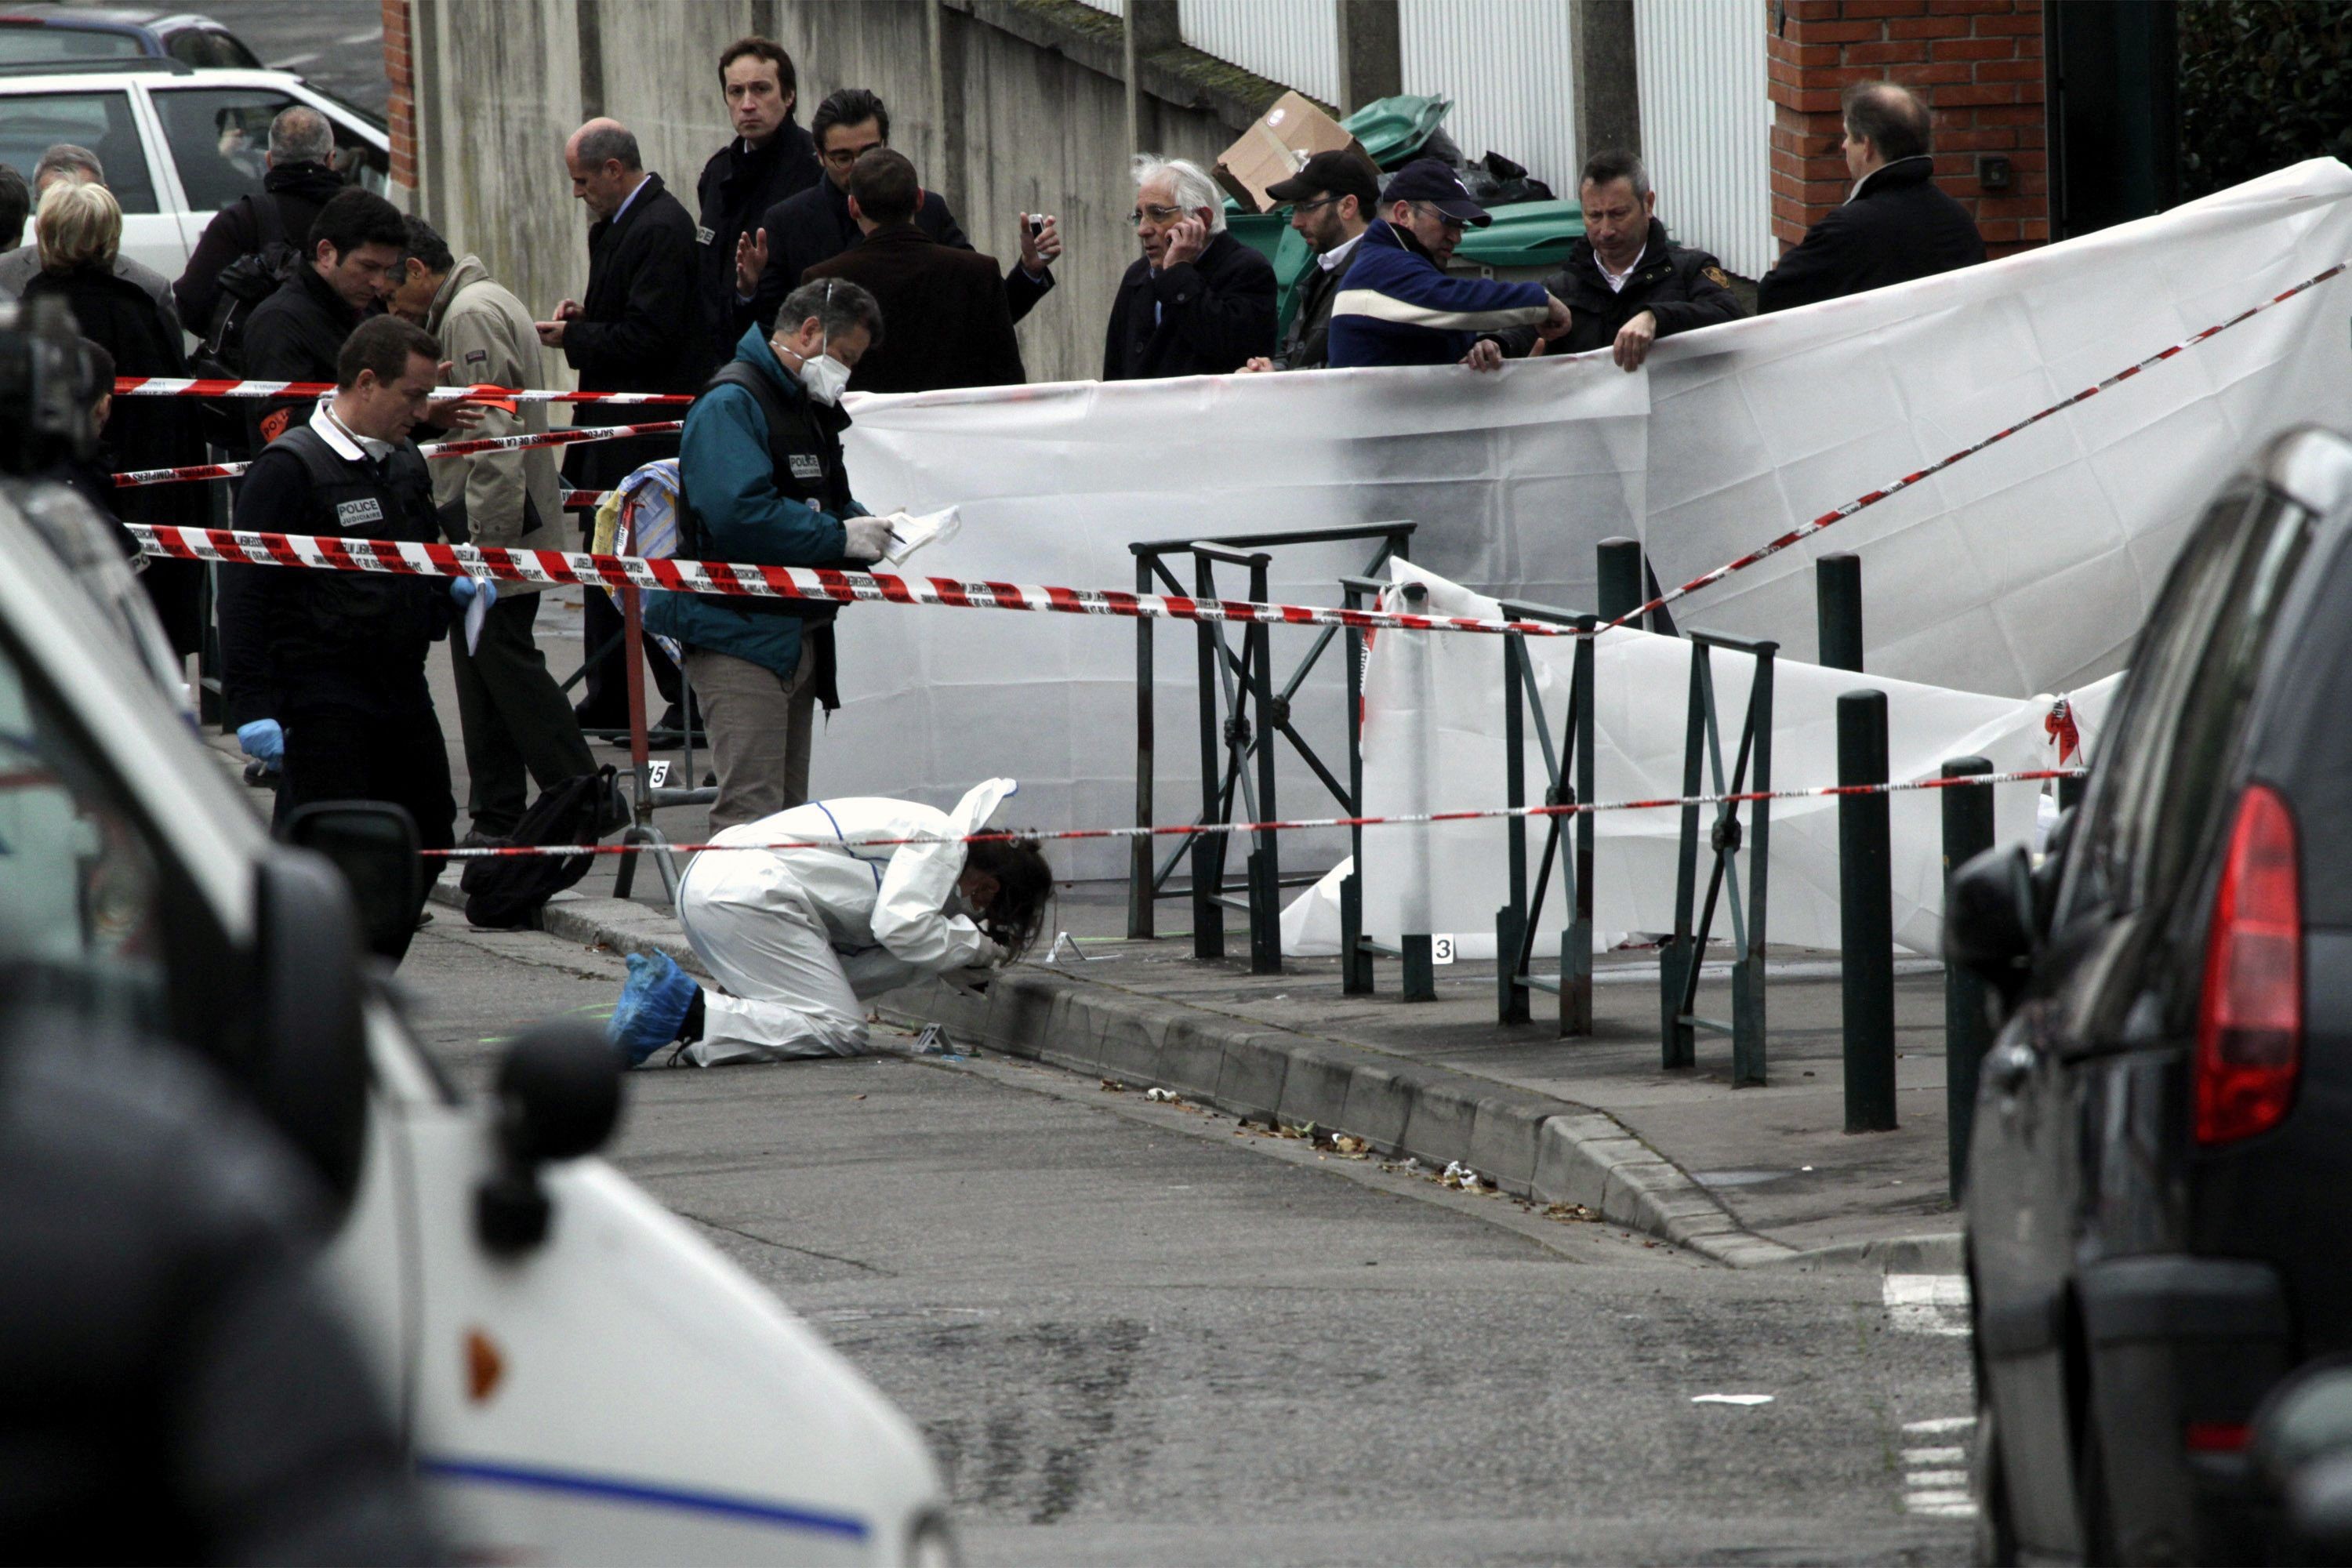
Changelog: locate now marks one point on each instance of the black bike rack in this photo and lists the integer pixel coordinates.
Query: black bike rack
(1516, 921)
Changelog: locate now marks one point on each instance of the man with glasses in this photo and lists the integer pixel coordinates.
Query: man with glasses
(817, 225)
(1400, 306)
(1336, 196)
(1199, 302)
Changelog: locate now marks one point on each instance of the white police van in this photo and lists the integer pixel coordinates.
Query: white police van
(581, 1378)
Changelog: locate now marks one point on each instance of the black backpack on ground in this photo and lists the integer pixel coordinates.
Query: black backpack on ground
(508, 893)
(243, 284)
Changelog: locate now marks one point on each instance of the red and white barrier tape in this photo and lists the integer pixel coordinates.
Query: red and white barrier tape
(1196, 830)
(183, 386)
(406, 558)
(584, 498)
(460, 448)
(1707, 579)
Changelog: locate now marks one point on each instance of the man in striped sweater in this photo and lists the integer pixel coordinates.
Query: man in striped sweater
(1401, 306)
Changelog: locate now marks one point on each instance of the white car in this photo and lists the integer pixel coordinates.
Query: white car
(581, 1377)
(178, 143)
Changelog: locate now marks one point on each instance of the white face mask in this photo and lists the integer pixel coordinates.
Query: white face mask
(825, 378)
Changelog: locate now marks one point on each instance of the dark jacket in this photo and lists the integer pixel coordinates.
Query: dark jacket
(944, 321)
(638, 327)
(295, 640)
(815, 226)
(738, 186)
(1213, 315)
(142, 432)
(1681, 286)
(297, 190)
(1899, 224)
(296, 335)
(1400, 308)
(746, 507)
(176, 1380)
(1307, 344)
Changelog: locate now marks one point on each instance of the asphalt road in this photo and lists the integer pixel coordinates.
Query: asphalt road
(1137, 1335)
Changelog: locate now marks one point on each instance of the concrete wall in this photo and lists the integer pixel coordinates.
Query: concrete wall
(1006, 106)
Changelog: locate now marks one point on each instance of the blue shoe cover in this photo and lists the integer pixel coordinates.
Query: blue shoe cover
(652, 1007)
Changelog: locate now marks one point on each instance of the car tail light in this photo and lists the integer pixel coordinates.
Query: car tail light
(2250, 1022)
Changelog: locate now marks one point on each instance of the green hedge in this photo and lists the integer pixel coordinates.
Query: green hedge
(2264, 84)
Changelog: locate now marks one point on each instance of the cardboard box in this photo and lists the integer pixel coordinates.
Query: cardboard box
(1277, 147)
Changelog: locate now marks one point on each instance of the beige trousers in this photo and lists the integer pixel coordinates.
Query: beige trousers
(758, 723)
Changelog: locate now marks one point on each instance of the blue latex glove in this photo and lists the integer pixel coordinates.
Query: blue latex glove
(463, 589)
(264, 741)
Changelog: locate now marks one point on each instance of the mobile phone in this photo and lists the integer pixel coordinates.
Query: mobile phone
(1036, 225)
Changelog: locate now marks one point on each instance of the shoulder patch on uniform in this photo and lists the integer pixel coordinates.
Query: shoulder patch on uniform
(1714, 276)
(476, 356)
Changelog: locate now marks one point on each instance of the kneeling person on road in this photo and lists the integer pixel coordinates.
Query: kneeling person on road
(760, 480)
(326, 670)
(797, 939)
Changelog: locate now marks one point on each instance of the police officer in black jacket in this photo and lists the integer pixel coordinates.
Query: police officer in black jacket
(769, 160)
(326, 670)
(1897, 225)
(1625, 283)
(816, 224)
(1199, 301)
(634, 331)
(346, 273)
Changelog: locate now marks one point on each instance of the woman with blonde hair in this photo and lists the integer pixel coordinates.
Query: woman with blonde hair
(80, 231)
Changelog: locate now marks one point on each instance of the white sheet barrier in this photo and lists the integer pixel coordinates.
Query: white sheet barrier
(2026, 568)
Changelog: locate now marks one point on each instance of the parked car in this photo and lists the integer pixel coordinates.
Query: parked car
(581, 1377)
(41, 32)
(2160, 1176)
(178, 143)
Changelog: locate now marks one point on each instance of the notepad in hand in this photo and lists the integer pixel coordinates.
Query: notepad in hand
(910, 534)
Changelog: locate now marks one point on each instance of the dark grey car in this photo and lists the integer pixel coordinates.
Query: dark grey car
(2161, 1177)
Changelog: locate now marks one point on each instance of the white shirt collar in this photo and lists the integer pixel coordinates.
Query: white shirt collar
(627, 199)
(1337, 257)
(1616, 280)
(347, 443)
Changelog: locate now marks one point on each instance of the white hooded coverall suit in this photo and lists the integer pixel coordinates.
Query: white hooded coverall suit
(797, 938)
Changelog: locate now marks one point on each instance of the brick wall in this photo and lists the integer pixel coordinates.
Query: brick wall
(1977, 62)
(402, 113)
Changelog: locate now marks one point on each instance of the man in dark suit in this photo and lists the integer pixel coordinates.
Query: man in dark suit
(1335, 197)
(1897, 225)
(637, 330)
(769, 160)
(1199, 302)
(948, 322)
(816, 224)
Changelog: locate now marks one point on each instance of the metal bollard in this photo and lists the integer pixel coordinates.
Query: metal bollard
(1967, 1031)
(1866, 910)
(1837, 594)
(1620, 565)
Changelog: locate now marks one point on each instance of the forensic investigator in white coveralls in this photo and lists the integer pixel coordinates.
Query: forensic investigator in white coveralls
(796, 939)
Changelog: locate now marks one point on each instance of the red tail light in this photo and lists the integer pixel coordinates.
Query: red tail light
(2249, 1023)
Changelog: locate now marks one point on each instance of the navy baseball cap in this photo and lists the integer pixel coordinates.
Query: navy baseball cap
(1344, 172)
(1430, 180)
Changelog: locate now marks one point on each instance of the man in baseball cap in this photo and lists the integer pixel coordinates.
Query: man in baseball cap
(1334, 198)
(1399, 305)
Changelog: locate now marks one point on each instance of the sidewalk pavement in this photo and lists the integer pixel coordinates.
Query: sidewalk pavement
(1758, 1176)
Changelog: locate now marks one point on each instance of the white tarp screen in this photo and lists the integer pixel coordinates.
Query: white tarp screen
(2025, 568)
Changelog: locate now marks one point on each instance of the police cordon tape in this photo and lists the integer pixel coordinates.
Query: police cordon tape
(1200, 830)
(184, 387)
(842, 588)
(413, 559)
(1861, 502)
(467, 448)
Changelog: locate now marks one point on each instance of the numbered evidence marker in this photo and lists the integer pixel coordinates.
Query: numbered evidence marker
(658, 773)
(1440, 950)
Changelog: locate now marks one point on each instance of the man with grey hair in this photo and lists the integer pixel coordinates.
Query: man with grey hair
(66, 162)
(1624, 282)
(1897, 225)
(760, 479)
(638, 327)
(298, 179)
(1199, 302)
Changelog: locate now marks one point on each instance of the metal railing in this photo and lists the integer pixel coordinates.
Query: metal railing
(1516, 921)
(1241, 712)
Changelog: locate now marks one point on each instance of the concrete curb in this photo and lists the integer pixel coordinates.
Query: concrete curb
(1529, 1145)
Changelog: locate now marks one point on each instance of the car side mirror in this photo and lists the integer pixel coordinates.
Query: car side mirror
(1990, 920)
(2302, 1448)
(306, 1060)
(559, 1097)
(374, 845)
